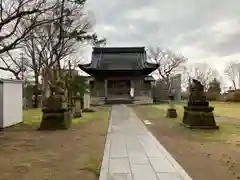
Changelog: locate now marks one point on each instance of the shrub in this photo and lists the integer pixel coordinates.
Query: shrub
(220, 98)
(233, 96)
(236, 96)
(213, 96)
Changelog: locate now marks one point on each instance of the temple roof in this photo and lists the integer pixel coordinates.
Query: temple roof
(118, 59)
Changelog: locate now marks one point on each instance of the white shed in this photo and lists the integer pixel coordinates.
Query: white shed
(11, 102)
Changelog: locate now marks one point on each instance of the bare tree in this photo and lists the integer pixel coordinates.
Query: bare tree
(200, 71)
(12, 13)
(169, 62)
(61, 38)
(13, 63)
(232, 72)
(12, 34)
(53, 44)
(185, 77)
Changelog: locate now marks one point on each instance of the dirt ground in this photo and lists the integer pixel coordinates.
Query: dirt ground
(27, 154)
(203, 158)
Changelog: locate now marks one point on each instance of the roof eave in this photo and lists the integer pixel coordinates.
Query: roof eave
(152, 66)
(140, 49)
(85, 67)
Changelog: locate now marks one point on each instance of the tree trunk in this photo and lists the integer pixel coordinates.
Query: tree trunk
(17, 76)
(36, 90)
(234, 85)
(46, 92)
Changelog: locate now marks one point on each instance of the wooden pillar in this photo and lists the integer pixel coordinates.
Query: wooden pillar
(106, 88)
(95, 87)
(151, 89)
(132, 89)
(87, 98)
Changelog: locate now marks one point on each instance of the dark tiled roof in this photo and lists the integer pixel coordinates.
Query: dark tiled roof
(118, 61)
(123, 58)
(119, 50)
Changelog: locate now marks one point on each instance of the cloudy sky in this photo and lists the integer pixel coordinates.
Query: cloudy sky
(201, 30)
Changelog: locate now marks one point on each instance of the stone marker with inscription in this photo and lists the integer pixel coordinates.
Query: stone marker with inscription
(86, 102)
(77, 106)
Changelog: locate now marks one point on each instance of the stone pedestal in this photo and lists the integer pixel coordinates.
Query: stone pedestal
(56, 115)
(171, 113)
(199, 116)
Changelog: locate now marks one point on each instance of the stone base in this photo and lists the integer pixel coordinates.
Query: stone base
(171, 113)
(118, 101)
(97, 101)
(198, 104)
(199, 118)
(200, 127)
(140, 100)
(88, 110)
(77, 114)
(56, 120)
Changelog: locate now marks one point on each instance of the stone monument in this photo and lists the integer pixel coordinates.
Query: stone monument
(28, 93)
(198, 113)
(171, 111)
(86, 102)
(77, 107)
(56, 114)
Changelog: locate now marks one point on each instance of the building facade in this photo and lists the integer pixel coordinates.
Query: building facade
(120, 75)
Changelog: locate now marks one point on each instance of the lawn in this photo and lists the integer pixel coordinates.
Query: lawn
(34, 116)
(204, 154)
(76, 153)
(229, 120)
(225, 109)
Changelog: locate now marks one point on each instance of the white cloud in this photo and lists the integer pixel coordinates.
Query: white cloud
(193, 53)
(109, 28)
(131, 27)
(226, 26)
(201, 30)
(105, 29)
(150, 14)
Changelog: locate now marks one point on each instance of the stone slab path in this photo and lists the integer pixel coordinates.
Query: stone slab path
(132, 152)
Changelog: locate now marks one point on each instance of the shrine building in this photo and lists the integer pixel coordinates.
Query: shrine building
(120, 75)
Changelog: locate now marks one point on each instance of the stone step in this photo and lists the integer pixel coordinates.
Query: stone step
(119, 101)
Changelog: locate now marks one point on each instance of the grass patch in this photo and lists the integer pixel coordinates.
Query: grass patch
(92, 166)
(226, 131)
(34, 116)
(89, 116)
(224, 109)
(227, 128)
(227, 109)
(163, 110)
(72, 154)
(216, 152)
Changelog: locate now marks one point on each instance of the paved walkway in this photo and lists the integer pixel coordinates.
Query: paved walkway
(132, 153)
